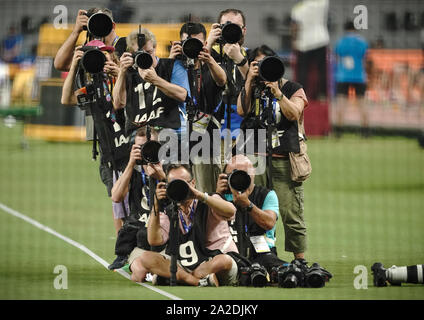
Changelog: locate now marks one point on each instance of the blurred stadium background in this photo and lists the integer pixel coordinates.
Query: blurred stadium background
(363, 185)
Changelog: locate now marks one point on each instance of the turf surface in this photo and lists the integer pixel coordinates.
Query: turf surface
(363, 203)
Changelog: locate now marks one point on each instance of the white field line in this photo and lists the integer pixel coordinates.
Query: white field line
(81, 247)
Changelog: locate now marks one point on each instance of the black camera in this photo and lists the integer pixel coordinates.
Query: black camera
(291, 275)
(191, 48)
(316, 277)
(99, 24)
(271, 68)
(255, 275)
(230, 33)
(239, 180)
(178, 190)
(142, 59)
(93, 59)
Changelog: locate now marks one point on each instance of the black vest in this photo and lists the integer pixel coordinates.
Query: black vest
(243, 227)
(109, 126)
(192, 249)
(147, 104)
(287, 130)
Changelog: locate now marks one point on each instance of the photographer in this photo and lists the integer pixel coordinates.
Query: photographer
(206, 80)
(147, 94)
(257, 212)
(69, 97)
(233, 58)
(203, 236)
(288, 100)
(63, 58)
(133, 184)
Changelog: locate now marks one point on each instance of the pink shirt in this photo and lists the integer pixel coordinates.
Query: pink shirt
(218, 236)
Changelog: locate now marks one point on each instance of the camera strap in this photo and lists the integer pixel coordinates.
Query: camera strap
(186, 227)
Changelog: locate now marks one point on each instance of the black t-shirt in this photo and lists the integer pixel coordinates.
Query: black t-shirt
(147, 104)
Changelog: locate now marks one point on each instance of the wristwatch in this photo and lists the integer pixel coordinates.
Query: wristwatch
(242, 62)
(250, 207)
(280, 97)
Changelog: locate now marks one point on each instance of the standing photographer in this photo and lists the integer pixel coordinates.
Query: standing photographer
(232, 56)
(288, 101)
(147, 93)
(206, 80)
(134, 185)
(202, 237)
(63, 58)
(257, 212)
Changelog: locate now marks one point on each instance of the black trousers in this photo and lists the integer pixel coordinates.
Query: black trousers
(305, 62)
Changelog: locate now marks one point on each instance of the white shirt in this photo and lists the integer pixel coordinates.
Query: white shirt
(311, 17)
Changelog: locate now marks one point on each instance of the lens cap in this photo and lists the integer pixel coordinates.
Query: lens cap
(100, 25)
(143, 60)
(192, 47)
(93, 60)
(177, 190)
(231, 33)
(239, 180)
(271, 68)
(150, 151)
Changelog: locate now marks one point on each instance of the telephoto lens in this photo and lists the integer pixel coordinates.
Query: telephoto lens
(192, 47)
(231, 33)
(239, 180)
(93, 60)
(99, 25)
(178, 190)
(142, 60)
(271, 69)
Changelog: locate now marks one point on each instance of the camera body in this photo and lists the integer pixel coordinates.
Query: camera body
(93, 59)
(178, 190)
(230, 33)
(297, 274)
(254, 275)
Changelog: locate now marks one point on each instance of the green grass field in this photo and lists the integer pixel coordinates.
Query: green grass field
(363, 203)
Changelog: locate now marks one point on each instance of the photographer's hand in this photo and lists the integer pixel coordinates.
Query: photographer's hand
(275, 90)
(125, 62)
(81, 21)
(134, 155)
(76, 57)
(155, 170)
(176, 49)
(218, 74)
(148, 75)
(214, 35)
(222, 184)
(233, 52)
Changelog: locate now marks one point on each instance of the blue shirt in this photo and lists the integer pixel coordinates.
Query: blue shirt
(270, 203)
(180, 77)
(350, 51)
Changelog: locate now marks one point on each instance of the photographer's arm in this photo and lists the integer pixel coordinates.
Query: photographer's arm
(121, 186)
(244, 101)
(63, 58)
(68, 90)
(218, 74)
(120, 90)
(154, 231)
(222, 207)
(291, 108)
(266, 219)
(171, 90)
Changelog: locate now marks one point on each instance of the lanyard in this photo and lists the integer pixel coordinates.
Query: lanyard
(145, 185)
(185, 226)
(115, 41)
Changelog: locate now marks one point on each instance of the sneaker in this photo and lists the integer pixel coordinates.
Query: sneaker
(209, 281)
(379, 274)
(118, 263)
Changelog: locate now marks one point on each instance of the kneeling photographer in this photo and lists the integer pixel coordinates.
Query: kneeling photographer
(134, 184)
(253, 228)
(194, 227)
